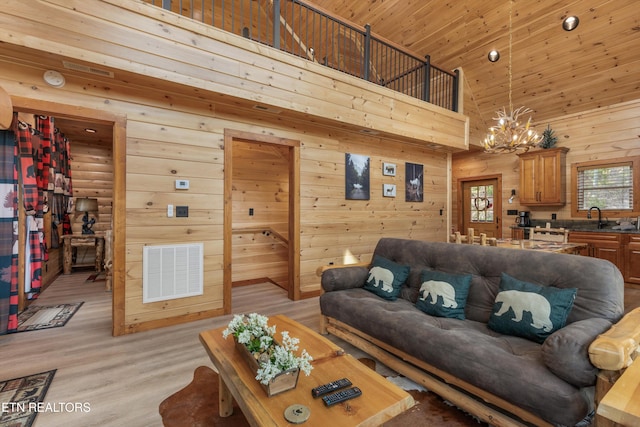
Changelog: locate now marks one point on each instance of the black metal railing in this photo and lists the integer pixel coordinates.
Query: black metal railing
(303, 30)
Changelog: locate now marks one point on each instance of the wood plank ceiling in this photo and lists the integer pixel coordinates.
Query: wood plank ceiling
(555, 72)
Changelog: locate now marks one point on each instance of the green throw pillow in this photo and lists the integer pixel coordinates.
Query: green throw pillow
(443, 294)
(530, 311)
(386, 277)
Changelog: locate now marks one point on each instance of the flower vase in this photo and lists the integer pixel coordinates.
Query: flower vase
(286, 380)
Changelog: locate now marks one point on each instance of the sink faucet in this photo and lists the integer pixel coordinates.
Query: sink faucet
(600, 223)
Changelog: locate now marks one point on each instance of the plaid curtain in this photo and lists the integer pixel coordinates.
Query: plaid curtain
(32, 201)
(8, 233)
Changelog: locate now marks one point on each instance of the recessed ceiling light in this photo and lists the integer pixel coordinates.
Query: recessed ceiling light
(570, 23)
(90, 130)
(494, 56)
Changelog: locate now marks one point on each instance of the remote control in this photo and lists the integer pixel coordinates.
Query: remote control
(341, 396)
(329, 387)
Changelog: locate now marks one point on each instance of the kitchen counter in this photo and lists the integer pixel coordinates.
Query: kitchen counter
(541, 245)
(581, 228)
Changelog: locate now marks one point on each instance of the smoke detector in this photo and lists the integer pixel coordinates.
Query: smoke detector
(54, 78)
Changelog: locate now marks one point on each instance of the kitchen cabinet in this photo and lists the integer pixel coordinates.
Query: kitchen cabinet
(607, 246)
(632, 259)
(517, 233)
(542, 177)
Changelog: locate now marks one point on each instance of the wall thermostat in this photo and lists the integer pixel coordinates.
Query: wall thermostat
(182, 184)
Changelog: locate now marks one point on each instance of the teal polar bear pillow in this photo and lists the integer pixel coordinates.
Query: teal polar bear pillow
(442, 294)
(530, 311)
(386, 278)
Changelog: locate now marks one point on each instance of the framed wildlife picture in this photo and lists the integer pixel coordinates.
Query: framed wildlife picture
(388, 169)
(414, 182)
(356, 177)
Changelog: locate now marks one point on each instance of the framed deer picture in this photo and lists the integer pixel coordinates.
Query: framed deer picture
(414, 182)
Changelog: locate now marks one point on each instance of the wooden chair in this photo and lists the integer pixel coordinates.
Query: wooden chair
(471, 238)
(559, 235)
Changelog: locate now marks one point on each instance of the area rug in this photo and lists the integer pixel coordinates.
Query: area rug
(37, 317)
(20, 398)
(196, 405)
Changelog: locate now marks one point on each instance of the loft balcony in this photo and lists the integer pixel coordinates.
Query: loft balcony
(307, 32)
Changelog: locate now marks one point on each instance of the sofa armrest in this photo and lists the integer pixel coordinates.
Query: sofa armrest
(324, 268)
(565, 352)
(614, 349)
(344, 277)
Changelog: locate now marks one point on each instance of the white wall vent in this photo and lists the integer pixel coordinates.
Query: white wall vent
(171, 271)
(86, 69)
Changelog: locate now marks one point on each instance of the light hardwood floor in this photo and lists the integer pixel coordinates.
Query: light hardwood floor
(124, 379)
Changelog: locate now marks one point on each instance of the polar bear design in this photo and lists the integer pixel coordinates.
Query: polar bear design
(443, 289)
(520, 302)
(381, 276)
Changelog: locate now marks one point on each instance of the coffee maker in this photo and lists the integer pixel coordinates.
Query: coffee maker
(524, 219)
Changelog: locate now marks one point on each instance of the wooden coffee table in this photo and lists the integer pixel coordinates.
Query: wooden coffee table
(381, 400)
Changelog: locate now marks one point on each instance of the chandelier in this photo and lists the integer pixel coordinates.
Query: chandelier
(511, 133)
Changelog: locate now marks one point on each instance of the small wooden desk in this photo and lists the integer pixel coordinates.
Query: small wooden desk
(622, 403)
(381, 400)
(71, 241)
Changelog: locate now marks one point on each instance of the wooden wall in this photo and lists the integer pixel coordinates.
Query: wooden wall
(604, 133)
(176, 89)
(92, 176)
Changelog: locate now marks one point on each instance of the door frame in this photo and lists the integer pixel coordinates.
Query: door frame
(118, 212)
(230, 136)
(498, 191)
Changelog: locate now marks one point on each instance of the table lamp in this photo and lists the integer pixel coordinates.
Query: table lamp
(87, 205)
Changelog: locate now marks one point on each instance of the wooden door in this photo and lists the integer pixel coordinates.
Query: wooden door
(481, 206)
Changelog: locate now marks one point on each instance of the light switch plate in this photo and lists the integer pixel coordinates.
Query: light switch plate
(182, 211)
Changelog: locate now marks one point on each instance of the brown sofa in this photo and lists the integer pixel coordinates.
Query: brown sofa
(502, 379)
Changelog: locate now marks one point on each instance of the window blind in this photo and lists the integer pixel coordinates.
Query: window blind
(609, 187)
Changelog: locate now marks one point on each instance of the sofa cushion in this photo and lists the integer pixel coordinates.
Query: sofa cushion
(386, 277)
(443, 294)
(530, 311)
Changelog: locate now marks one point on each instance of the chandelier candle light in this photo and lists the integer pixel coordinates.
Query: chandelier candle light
(510, 133)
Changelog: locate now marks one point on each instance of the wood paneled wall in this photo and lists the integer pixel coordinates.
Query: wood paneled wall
(604, 133)
(180, 85)
(92, 176)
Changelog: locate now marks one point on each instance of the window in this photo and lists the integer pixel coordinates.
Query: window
(482, 203)
(609, 185)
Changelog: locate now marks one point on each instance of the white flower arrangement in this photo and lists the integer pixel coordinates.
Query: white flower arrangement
(273, 358)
